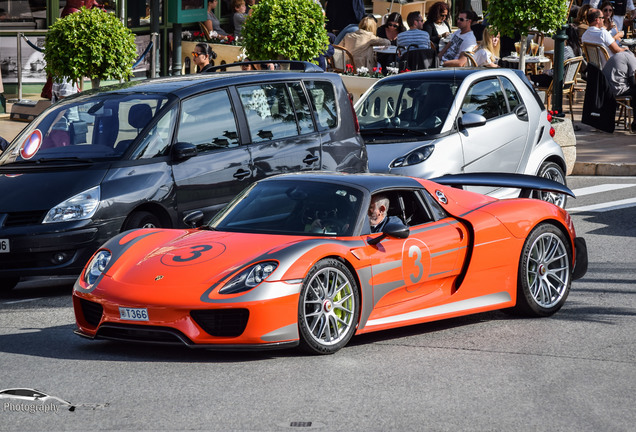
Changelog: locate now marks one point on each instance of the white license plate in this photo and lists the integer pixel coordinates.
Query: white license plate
(133, 314)
(4, 245)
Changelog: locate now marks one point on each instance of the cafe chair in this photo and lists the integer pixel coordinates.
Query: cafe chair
(340, 59)
(625, 115)
(415, 58)
(205, 31)
(571, 69)
(596, 54)
(471, 62)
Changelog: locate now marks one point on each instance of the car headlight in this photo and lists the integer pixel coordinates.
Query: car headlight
(249, 278)
(96, 266)
(413, 158)
(81, 206)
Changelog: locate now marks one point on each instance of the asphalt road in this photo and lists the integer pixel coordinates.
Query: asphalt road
(575, 371)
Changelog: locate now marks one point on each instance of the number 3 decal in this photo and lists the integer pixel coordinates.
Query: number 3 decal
(195, 252)
(417, 252)
(415, 262)
(192, 254)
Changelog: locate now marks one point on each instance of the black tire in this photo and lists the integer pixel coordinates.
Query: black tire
(328, 308)
(552, 171)
(545, 272)
(141, 219)
(8, 283)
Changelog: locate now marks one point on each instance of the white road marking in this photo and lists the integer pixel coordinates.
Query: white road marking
(600, 188)
(22, 301)
(612, 205)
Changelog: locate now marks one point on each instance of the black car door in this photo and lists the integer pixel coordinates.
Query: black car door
(283, 136)
(221, 167)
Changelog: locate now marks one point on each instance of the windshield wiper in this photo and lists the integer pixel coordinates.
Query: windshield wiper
(393, 131)
(64, 159)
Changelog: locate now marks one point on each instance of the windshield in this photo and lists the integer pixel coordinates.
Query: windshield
(406, 108)
(292, 207)
(100, 127)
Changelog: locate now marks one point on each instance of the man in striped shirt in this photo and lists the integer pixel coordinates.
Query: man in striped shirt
(415, 35)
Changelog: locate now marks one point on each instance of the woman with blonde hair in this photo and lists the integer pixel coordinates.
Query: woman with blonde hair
(487, 51)
(361, 42)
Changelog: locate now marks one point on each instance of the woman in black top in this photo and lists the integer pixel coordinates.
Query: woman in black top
(202, 55)
(394, 25)
(436, 23)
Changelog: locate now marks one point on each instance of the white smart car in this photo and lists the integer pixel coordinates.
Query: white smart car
(436, 122)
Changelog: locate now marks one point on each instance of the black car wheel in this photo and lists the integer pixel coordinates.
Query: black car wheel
(551, 171)
(328, 309)
(141, 219)
(8, 283)
(545, 270)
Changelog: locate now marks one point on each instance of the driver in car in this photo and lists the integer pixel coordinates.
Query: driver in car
(377, 213)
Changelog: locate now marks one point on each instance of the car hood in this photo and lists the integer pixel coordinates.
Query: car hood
(381, 155)
(181, 258)
(33, 190)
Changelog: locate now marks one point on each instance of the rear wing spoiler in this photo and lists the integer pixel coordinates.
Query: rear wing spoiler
(527, 183)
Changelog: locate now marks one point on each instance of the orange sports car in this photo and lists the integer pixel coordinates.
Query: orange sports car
(293, 260)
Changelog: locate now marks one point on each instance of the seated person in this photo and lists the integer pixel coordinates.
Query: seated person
(361, 42)
(597, 34)
(414, 35)
(462, 40)
(239, 16)
(620, 72)
(378, 213)
(212, 23)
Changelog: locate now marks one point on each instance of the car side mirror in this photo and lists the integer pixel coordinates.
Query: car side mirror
(193, 219)
(468, 120)
(521, 112)
(183, 150)
(393, 228)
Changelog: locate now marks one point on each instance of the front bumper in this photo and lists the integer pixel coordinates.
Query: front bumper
(53, 249)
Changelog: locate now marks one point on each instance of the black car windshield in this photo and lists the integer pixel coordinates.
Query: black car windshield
(292, 207)
(80, 129)
(406, 108)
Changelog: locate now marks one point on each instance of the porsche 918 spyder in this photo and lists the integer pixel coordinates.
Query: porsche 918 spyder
(292, 261)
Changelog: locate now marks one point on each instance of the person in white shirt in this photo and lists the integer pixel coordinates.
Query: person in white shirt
(597, 34)
(461, 41)
(486, 52)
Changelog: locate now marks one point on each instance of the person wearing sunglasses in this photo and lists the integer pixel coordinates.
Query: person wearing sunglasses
(414, 35)
(597, 34)
(437, 23)
(390, 30)
(202, 55)
(621, 8)
(608, 21)
(461, 41)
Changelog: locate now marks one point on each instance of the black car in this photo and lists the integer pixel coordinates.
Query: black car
(145, 154)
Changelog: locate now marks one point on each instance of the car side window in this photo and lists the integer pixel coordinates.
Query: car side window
(408, 206)
(323, 100)
(269, 111)
(157, 140)
(208, 121)
(301, 105)
(512, 95)
(485, 98)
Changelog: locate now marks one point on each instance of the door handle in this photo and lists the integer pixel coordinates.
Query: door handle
(241, 174)
(310, 159)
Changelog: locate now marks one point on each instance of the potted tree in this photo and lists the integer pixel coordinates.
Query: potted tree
(89, 43)
(285, 29)
(520, 16)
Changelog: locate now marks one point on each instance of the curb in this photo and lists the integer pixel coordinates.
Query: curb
(603, 169)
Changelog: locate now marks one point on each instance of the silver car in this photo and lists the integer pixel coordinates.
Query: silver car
(449, 121)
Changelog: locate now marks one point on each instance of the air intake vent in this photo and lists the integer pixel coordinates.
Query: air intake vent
(92, 312)
(222, 322)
